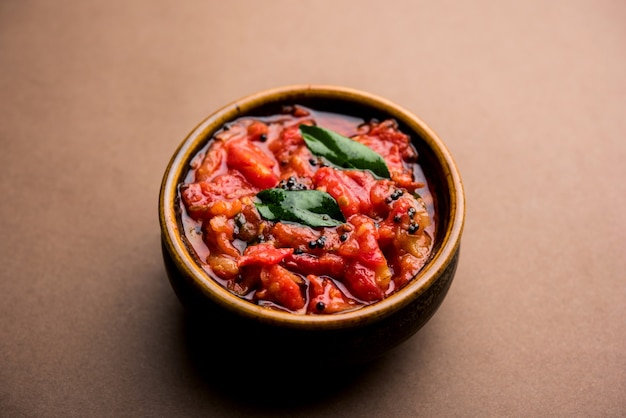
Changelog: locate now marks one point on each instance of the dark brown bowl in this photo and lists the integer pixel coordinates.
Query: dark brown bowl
(244, 329)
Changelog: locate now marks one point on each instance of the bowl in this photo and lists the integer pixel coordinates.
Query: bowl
(241, 328)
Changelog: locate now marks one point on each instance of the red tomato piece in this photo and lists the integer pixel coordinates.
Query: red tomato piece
(292, 153)
(361, 282)
(219, 233)
(281, 286)
(387, 132)
(223, 266)
(351, 196)
(290, 139)
(362, 243)
(379, 193)
(387, 233)
(394, 146)
(198, 197)
(362, 178)
(253, 163)
(325, 297)
(294, 236)
(248, 279)
(264, 253)
(211, 162)
(326, 265)
(257, 131)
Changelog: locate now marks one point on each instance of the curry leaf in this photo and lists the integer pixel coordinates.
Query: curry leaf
(343, 152)
(307, 207)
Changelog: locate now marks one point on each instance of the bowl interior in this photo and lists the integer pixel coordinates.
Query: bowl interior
(436, 162)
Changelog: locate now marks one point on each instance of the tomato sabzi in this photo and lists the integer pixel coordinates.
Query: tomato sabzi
(380, 245)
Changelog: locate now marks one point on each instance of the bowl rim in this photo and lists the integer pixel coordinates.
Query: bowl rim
(198, 137)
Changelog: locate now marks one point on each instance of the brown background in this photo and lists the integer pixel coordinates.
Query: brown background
(529, 96)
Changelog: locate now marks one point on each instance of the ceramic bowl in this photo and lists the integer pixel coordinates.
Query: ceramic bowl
(241, 328)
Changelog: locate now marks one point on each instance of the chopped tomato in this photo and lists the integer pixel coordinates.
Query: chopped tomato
(253, 163)
(248, 280)
(325, 265)
(257, 131)
(294, 236)
(380, 195)
(325, 297)
(387, 132)
(361, 281)
(362, 178)
(199, 197)
(363, 242)
(407, 267)
(249, 223)
(281, 286)
(219, 233)
(225, 207)
(211, 162)
(264, 253)
(394, 147)
(352, 197)
(224, 266)
(292, 154)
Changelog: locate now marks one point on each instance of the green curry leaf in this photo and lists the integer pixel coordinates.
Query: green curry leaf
(343, 152)
(308, 207)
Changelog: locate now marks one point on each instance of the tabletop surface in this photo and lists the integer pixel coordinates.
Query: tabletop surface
(529, 97)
